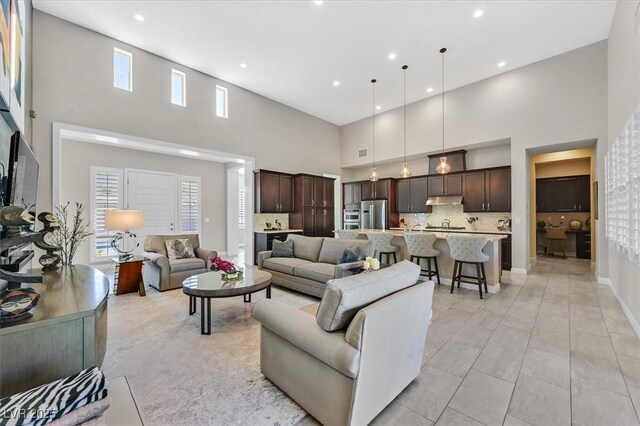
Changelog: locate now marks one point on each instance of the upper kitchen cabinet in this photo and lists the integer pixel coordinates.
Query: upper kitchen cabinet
(380, 190)
(564, 194)
(445, 185)
(313, 210)
(545, 195)
(584, 193)
(498, 190)
(412, 195)
(273, 192)
(352, 194)
(473, 192)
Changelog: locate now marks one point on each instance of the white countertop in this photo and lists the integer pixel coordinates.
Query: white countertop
(440, 234)
(280, 231)
(463, 231)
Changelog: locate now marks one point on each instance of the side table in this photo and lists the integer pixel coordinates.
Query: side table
(128, 276)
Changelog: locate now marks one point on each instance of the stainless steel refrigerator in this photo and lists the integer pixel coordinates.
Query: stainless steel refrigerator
(374, 214)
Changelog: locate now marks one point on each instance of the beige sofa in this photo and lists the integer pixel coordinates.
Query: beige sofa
(164, 274)
(364, 346)
(315, 261)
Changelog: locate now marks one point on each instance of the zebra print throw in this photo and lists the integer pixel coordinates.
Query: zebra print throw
(45, 403)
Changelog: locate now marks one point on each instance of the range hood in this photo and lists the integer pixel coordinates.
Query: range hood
(444, 201)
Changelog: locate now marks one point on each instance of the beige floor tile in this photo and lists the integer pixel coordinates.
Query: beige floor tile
(510, 420)
(592, 405)
(635, 399)
(557, 289)
(582, 311)
(550, 341)
(496, 306)
(599, 371)
(455, 358)
(398, 414)
(509, 337)
(613, 312)
(592, 345)
(619, 326)
(555, 299)
(549, 309)
(473, 334)
(513, 320)
(589, 325)
(308, 420)
(430, 393)
(486, 318)
(451, 417)
(548, 367)
(483, 398)
(540, 403)
(501, 361)
(430, 349)
(524, 309)
(552, 323)
(625, 345)
(630, 369)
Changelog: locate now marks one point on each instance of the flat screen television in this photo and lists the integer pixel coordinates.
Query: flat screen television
(23, 175)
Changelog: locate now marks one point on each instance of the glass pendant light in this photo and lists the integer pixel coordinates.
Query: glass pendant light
(443, 167)
(405, 172)
(374, 174)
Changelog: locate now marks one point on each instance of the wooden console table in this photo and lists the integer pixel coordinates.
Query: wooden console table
(128, 276)
(67, 332)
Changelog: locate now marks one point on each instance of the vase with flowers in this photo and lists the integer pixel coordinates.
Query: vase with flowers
(227, 269)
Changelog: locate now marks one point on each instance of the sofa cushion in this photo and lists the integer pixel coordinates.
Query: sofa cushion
(333, 248)
(321, 272)
(306, 247)
(344, 297)
(282, 249)
(180, 265)
(286, 265)
(179, 248)
(156, 244)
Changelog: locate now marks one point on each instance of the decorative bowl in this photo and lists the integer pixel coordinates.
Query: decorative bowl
(15, 304)
(576, 225)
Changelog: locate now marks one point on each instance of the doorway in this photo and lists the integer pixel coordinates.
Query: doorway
(236, 213)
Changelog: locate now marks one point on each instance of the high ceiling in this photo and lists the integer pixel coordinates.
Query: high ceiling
(295, 50)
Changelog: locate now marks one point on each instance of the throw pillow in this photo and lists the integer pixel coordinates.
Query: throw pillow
(179, 249)
(282, 248)
(352, 254)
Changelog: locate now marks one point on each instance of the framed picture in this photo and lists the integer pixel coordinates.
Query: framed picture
(595, 200)
(18, 57)
(5, 52)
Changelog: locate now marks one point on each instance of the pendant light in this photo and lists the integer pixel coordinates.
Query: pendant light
(405, 172)
(374, 174)
(443, 167)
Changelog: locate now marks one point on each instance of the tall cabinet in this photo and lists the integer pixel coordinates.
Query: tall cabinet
(313, 205)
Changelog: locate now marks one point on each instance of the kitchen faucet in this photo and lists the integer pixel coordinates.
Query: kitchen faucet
(445, 223)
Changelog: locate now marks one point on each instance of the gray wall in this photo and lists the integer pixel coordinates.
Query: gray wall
(73, 83)
(78, 157)
(558, 100)
(624, 97)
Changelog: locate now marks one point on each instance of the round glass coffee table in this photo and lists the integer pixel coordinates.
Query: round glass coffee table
(210, 285)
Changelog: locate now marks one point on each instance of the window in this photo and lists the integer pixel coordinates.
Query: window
(122, 69)
(623, 189)
(106, 194)
(221, 102)
(189, 187)
(178, 88)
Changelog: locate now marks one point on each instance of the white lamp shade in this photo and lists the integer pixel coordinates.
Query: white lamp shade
(124, 219)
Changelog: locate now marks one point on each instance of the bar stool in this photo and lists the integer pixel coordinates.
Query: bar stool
(420, 246)
(381, 244)
(347, 234)
(555, 234)
(467, 249)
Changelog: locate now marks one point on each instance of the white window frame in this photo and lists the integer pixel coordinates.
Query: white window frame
(184, 87)
(117, 51)
(93, 258)
(225, 113)
(183, 178)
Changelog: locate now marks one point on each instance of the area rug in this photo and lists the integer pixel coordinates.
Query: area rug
(181, 377)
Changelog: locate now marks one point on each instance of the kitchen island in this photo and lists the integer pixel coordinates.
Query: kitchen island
(445, 262)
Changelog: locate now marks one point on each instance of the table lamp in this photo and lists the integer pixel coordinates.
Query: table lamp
(124, 220)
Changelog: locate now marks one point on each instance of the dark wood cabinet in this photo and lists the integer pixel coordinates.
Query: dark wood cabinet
(583, 184)
(352, 194)
(273, 192)
(445, 185)
(436, 186)
(313, 207)
(473, 192)
(498, 190)
(380, 190)
(505, 260)
(456, 159)
(564, 194)
(583, 245)
(545, 195)
(263, 241)
(412, 195)
(307, 191)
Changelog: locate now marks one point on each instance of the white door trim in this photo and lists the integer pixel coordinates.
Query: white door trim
(64, 131)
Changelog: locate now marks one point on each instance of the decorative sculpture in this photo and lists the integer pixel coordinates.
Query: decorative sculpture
(51, 259)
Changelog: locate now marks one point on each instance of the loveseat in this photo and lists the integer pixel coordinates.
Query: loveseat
(362, 348)
(163, 273)
(315, 261)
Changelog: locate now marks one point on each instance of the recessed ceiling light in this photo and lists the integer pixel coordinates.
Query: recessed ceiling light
(378, 107)
(318, 2)
(138, 17)
(501, 64)
(478, 13)
(392, 56)
(429, 89)
(336, 83)
(243, 65)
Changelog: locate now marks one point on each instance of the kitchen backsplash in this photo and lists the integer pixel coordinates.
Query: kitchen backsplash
(455, 213)
(260, 220)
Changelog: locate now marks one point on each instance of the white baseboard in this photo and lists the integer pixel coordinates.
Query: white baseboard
(490, 288)
(632, 320)
(521, 271)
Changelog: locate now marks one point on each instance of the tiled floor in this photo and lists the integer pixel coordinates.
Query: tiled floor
(551, 348)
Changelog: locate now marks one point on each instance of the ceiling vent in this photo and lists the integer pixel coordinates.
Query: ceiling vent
(362, 153)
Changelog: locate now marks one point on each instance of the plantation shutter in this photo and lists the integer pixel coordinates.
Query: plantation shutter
(189, 204)
(107, 195)
(241, 218)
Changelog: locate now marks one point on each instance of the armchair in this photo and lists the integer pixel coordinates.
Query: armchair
(162, 273)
